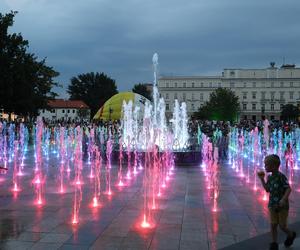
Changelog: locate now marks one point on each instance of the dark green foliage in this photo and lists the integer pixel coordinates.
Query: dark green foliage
(92, 88)
(83, 114)
(290, 112)
(142, 90)
(25, 82)
(223, 105)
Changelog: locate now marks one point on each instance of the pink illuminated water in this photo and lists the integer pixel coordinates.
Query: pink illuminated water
(78, 172)
(108, 165)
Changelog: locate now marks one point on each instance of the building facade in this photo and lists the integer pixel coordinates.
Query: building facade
(261, 92)
(65, 110)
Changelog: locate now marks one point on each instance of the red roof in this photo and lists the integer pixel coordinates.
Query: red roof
(60, 103)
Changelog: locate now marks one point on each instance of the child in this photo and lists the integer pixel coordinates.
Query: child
(279, 189)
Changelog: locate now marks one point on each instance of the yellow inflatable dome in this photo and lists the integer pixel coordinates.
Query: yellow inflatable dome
(112, 108)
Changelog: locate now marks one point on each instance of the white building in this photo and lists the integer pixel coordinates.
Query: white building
(261, 92)
(67, 110)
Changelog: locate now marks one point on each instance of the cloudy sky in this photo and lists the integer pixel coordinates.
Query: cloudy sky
(192, 37)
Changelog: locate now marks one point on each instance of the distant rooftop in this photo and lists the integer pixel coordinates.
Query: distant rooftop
(288, 66)
(61, 103)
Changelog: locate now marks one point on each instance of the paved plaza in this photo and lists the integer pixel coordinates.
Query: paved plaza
(183, 220)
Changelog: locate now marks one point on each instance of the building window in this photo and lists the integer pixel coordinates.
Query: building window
(282, 95)
(193, 85)
(291, 84)
(175, 84)
(73, 111)
(167, 106)
(253, 95)
(68, 111)
(272, 96)
(193, 106)
(183, 96)
(232, 85)
(272, 106)
(167, 96)
(53, 111)
(201, 96)
(244, 106)
(281, 85)
(219, 85)
(272, 84)
(63, 111)
(167, 85)
(281, 106)
(254, 84)
(244, 95)
(192, 96)
(263, 107)
(210, 84)
(263, 95)
(184, 85)
(175, 96)
(245, 85)
(253, 106)
(201, 84)
(291, 95)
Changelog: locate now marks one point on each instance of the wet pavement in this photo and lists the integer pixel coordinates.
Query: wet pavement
(184, 218)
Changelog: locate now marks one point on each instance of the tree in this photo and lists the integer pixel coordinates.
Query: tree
(83, 114)
(142, 90)
(223, 105)
(25, 82)
(92, 88)
(290, 112)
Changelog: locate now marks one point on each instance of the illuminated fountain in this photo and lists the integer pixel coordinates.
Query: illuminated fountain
(96, 163)
(78, 175)
(39, 179)
(108, 165)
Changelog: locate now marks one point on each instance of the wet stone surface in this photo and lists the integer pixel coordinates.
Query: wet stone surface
(183, 217)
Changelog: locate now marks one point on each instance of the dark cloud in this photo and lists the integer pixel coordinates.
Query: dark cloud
(194, 37)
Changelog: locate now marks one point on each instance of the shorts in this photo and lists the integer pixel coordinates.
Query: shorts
(279, 216)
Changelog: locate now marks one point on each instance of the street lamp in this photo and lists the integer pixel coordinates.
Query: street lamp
(110, 112)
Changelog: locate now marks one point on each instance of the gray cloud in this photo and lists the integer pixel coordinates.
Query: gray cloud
(194, 37)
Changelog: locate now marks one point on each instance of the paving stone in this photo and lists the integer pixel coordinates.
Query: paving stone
(73, 247)
(15, 245)
(46, 246)
(107, 243)
(194, 245)
(55, 238)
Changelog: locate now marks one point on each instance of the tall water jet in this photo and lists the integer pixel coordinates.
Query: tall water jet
(96, 162)
(120, 174)
(155, 88)
(266, 134)
(39, 178)
(108, 165)
(147, 168)
(15, 173)
(62, 155)
(78, 170)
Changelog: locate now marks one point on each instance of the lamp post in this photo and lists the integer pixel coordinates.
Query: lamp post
(110, 112)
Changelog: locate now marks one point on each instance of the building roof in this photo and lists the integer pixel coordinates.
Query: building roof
(60, 103)
(188, 77)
